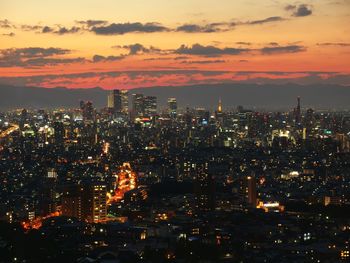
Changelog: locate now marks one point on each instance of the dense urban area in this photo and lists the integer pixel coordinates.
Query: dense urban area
(142, 184)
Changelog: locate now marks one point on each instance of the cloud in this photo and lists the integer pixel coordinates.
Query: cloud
(34, 56)
(6, 24)
(194, 28)
(31, 27)
(290, 7)
(59, 30)
(266, 20)
(299, 11)
(209, 51)
(65, 30)
(47, 29)
(91, 23)
(243, 43)
(282, 49)
(99, 58)
(11, 34)
(203, 61)
(124, 28)
(339, 44)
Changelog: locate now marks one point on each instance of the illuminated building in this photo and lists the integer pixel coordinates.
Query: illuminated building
(297, 112)
(172, 107)
(219, 113)
(86, 202)
(124, 94)
(150, 106)
(248, 192)
(59, 132)
(114, 101)
(87, 110)
(204, 187)
(138, 105)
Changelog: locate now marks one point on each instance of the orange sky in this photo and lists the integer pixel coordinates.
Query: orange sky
(140, 43)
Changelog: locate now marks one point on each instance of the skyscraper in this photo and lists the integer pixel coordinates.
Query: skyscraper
(172, 107)
(298, 113)
(86, 202)
(150, 106)
(138, 105)
(114, 100)
(87, 110)
(248, 194)
(204, 187)
(124, 94)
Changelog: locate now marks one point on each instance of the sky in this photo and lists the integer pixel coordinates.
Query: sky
(143, 43)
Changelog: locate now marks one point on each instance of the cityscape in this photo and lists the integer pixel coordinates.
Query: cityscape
(174, 131)
(132, 184)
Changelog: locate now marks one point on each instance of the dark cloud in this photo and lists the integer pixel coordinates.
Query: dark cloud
(124, 28)
(11, 34)
(290, 7)
(266, 20)
(6, 24)
(243, 43)
(91, 23)
(99, 58)
(34, 56)
(137, 49)
(209, 28)
(203, 61)
(156, 59)
(31, 27)
(65, 30)
(47, 29)
(209, 51)
(302, 10)
(51, 61)
(282, 49)
(59, 30)
(339, 44)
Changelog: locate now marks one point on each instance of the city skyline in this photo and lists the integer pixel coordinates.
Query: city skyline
(137, 44)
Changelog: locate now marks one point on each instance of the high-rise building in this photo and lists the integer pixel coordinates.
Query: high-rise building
(204, 187)
(86, 202)
(59, 132)
(114, 101)
(138, 105)
(150, 106)
(248, 194)
(124, 94)
(172, 107)
(297, 112)
(87, 110)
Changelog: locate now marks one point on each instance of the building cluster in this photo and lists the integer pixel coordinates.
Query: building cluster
(133, 183)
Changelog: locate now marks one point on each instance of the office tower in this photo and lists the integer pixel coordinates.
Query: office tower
(110, 99)
(150, 106)
(124, 94)
(114, 101)
(248, 194)
(172, 107)
(86, 202)
(298, 112)
(138, 105)
(87, 110)
(59, 132)
(204, 187)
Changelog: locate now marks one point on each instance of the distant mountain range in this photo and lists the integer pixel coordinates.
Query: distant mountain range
(248, 95)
